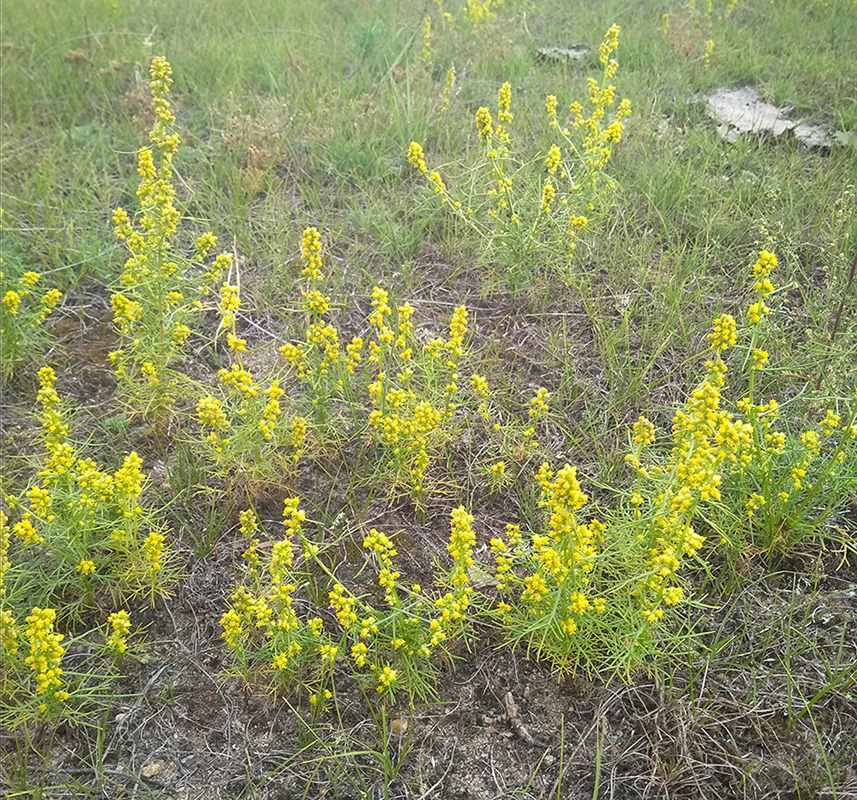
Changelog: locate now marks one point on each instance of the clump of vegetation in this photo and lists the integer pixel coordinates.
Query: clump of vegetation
(24, 309)
(390, 646)
(78, 540)
(451, 465)
(530, 209)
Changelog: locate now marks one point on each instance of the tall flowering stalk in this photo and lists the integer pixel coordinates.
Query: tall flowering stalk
(321, 363)
(261, 627)
(160, 291)
(413, 394)
(246, 434)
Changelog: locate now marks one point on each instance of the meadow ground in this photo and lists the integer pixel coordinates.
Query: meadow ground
(674, 619)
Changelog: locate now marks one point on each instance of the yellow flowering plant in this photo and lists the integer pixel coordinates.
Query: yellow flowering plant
(793, 481)
(389, 646)
(79, 531)
(25, 305)
(548, 583)
(527, 209)
(267, 638)
(75, 542)
(411, 387)
(724, 472)
(413, 391)
(160, 291)
(328, 368)
(34, 682)
(247, 434)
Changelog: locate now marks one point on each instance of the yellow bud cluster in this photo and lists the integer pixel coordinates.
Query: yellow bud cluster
(120, 623)
(484, 123)
(45, 652)
(723, 336)
(644, 432)
(153, 552)
(8, 634)
(211, 413)
(311, 255)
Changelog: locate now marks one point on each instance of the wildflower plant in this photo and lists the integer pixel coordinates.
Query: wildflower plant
(267, 638)
(414, 392)
(727, 471)
(547, 580)
(35, 683)
(25, 306)
(247, 434)
(79, 531)
(525, 209)
(411, 388)
(160, 295)
(388, 645)
(326, 368)
(80, 538)
(796, 480)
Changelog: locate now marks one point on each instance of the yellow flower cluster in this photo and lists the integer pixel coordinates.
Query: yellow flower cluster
(386, 678)
(599, 133)
(21, 318)
(311, 255)
(504, 112)
(25, 531)
(55, 427)
(504, 554)
(762, 270)
(8, 634)
(380, 543)
(484, 123)
(320, 356)
(342, 602)
(644, 432)
(230, 302)
(557, 589)
(403, 420)
(86, 567)
(45, 653)
(706, 440)
(723, 336)
(427, 39)
(211, 414)
(153, 552)
(120, 624)
(272, 409)
(539, 407)
(453, 605)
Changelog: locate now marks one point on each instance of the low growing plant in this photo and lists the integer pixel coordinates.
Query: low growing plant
(391, 646)
(24, 308)
(245, 435)
(595, 595)
(79, 532)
